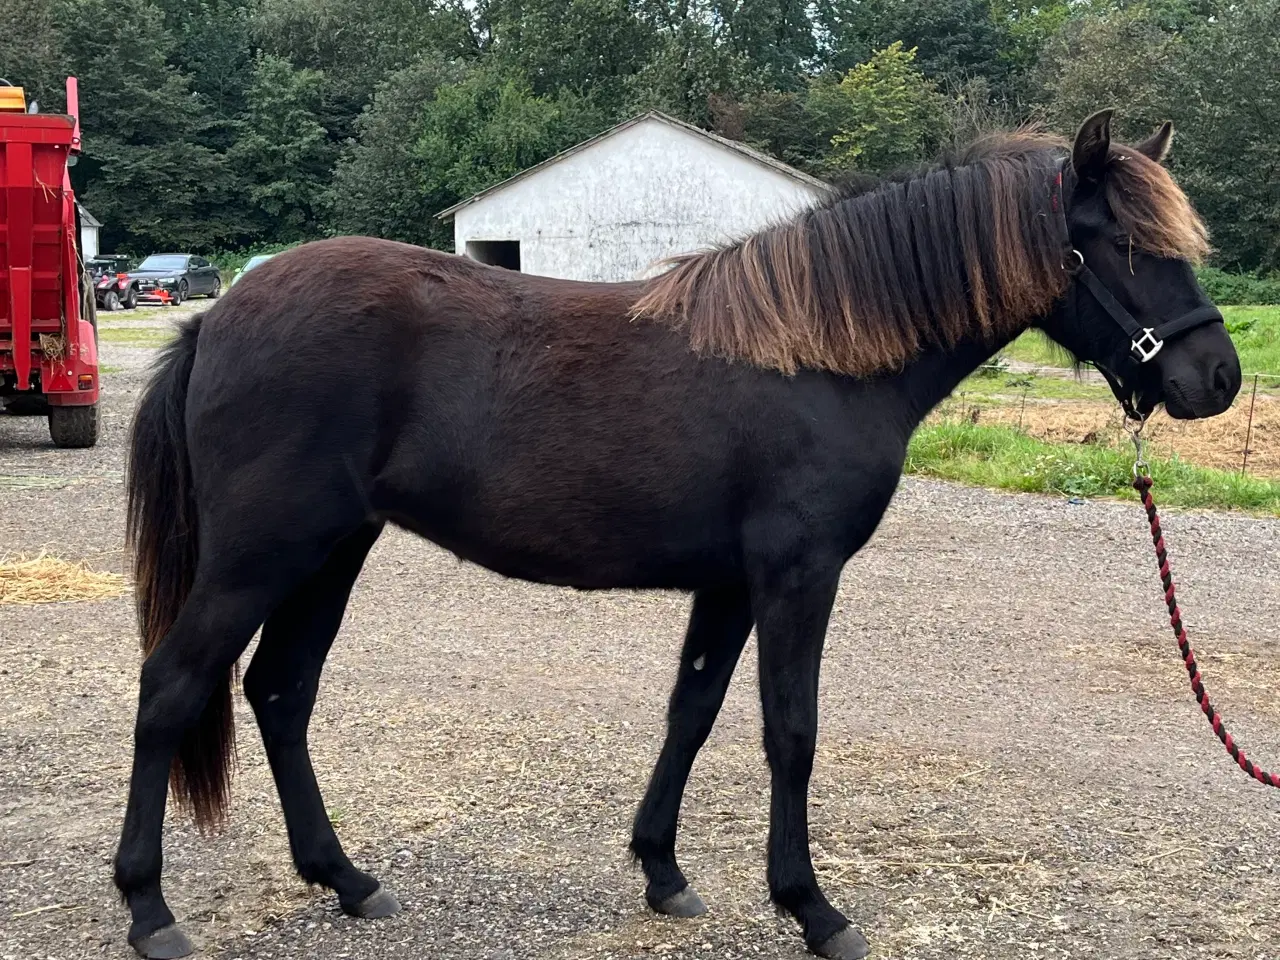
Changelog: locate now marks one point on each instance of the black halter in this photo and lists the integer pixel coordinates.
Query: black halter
(1145, 342)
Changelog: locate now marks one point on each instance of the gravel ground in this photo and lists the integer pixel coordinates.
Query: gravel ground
(1010, 764)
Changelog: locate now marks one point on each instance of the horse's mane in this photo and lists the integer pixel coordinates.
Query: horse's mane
(878, 270)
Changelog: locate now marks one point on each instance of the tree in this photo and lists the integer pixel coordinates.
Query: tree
(1224, 98)
(893, 114)
(1028, 25)
(144, 171)
(356, 46)
(955, 40)
(775, 37)
(688, 72)
(590, 47)
(785, 124)
(377, 188)
(1214, 76)
(796, 127)
(31, 49)
(489, 127)
(283, 153)
(1121, 59)
(213, 47)
(438, 133)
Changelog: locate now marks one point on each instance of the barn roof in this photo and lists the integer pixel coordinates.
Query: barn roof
(87, 218)
(739, 148)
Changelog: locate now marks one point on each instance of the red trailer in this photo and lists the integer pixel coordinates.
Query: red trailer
(48, 323)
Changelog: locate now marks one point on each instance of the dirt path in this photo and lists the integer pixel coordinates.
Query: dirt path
(1010, 765)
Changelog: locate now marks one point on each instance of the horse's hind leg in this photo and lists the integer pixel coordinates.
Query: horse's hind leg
(178, 678)
(718, 630)
(281, 685)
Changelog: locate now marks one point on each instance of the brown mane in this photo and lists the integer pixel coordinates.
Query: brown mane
(864, 281)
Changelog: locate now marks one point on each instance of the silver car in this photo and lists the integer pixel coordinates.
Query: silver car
(252, 262)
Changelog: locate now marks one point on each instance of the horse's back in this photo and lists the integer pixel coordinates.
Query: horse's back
(526, 423)
(460, 399)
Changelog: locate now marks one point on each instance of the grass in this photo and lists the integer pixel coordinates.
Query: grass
(1255, 330)
(136, 336)
(1001, 457)
(1004, 386)
(1034, 347)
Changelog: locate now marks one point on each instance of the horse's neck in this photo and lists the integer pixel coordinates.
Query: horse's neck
(930, 378)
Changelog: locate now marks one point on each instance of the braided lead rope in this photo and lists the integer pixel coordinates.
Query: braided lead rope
(1142, 483)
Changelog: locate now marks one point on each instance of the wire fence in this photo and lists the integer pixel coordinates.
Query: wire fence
(1059, 405)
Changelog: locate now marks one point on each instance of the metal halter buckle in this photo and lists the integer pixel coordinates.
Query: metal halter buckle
(1147, 345)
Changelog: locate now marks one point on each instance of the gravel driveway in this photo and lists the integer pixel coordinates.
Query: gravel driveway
(1010, 763)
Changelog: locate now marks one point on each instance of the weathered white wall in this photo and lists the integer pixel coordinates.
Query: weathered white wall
(645, 193)
(88, 242)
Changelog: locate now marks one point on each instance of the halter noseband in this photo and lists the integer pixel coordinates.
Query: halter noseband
(1145, 342)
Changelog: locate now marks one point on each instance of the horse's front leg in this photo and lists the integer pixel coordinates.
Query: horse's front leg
(718, 630)
(792, 602)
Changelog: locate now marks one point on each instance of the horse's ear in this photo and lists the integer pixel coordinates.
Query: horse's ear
(1089, 155)
(1156, 146)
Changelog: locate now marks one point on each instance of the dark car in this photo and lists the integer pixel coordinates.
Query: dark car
(172, 277)
(113, 288)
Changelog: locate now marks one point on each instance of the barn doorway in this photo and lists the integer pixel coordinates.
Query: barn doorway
(496, 253)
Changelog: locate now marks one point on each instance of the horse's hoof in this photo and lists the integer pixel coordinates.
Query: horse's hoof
(686, 903)
(165, 944)
(848, 944)
(381, 903)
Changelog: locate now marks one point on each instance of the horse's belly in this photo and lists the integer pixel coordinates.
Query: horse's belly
(582, 549)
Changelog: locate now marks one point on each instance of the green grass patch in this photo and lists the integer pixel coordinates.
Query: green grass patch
(1004, 386)
(109, 369)
(1034, 347)
(1256, 333)
(1001, 457)
(136, 336)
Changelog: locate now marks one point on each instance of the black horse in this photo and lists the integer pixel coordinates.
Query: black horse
(734, 428)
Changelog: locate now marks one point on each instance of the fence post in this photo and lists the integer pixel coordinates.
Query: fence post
(1248, 430)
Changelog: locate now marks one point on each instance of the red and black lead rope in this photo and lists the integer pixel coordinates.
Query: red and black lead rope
(1142, 484)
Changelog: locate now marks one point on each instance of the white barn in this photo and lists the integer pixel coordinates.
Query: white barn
(89, 227)
(612, 206)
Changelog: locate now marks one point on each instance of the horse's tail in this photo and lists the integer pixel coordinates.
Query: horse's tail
(161, 530)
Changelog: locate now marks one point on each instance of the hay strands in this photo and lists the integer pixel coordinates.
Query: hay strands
(47, 579)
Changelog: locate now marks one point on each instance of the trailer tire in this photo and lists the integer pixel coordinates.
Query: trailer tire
(74, 427)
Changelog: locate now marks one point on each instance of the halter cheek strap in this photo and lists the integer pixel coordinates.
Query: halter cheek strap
(1145, 342)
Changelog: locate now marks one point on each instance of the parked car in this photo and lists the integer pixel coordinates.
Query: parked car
(173, 277)
(252, 262)
(113, 288)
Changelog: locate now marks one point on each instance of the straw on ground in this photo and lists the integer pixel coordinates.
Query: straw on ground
(46, 579)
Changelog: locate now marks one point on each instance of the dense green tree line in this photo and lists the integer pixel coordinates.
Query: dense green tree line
(219, 124)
